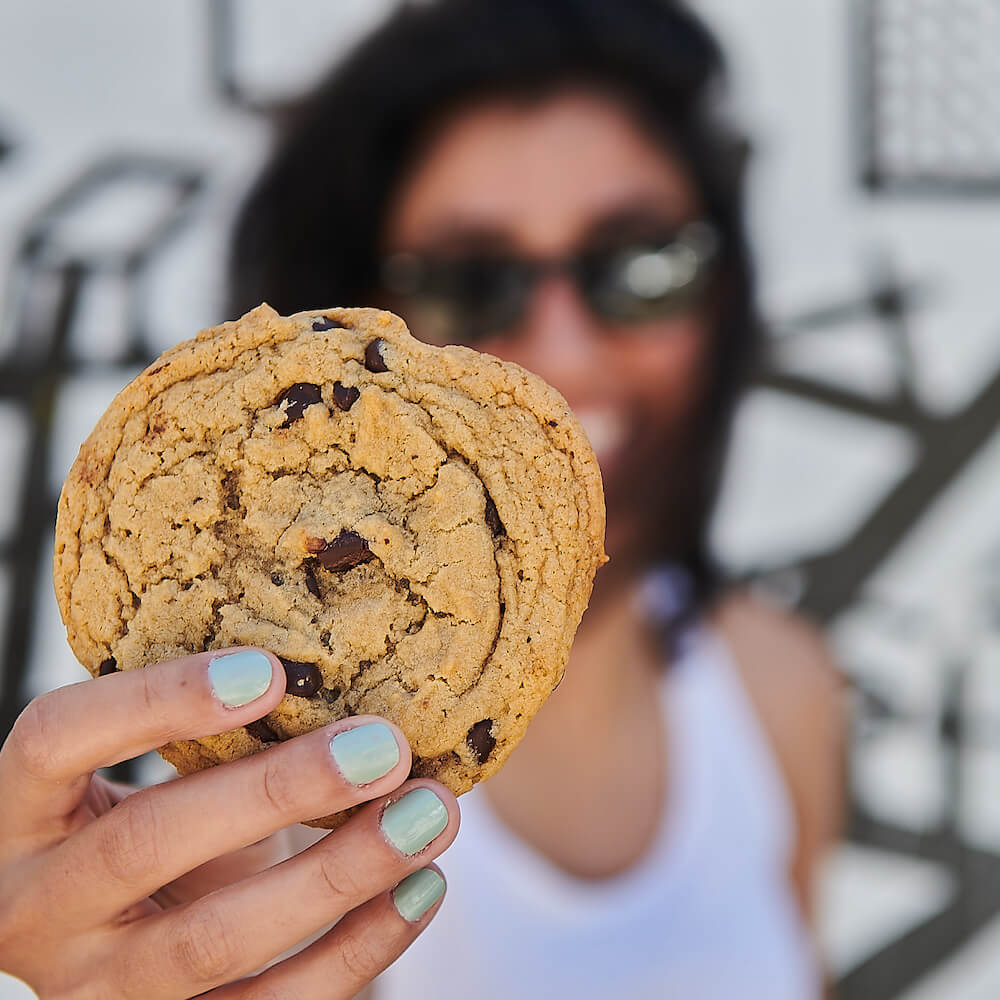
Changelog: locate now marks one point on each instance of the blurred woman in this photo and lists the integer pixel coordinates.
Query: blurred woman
(550, 182)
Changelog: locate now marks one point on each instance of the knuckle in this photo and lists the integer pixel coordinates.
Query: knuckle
(130, 844)
(36, 738)
(359, 957)
(342, 881)
(279, 794)
(204, 949)
(158, 698)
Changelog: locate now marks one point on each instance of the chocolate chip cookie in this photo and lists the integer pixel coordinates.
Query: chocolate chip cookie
(414, 530)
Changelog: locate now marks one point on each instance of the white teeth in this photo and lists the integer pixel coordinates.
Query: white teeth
(604, 427)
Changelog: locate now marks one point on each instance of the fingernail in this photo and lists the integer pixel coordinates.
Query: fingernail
(240, 678)
(365, 753)
(417, 893)
(413, 821)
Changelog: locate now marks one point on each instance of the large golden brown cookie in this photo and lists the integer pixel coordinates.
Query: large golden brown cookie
(414, 530)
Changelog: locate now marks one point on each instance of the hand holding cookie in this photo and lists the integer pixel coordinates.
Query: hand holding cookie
(83, 866)
(411, 532)
(413, 529)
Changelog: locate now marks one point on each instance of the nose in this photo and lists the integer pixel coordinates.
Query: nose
(560, 338)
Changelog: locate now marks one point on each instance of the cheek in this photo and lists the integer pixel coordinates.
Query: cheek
(666, 370)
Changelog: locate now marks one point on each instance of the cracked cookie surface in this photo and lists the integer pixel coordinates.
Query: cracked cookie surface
(414, 530)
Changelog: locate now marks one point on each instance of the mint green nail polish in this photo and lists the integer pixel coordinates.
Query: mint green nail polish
(365, 753)
(239, 678)
(417, 893)
(413, 821)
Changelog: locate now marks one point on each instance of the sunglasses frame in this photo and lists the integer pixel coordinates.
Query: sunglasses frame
(626, 284)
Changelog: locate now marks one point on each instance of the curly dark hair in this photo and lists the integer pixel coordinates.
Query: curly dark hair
(308, 233)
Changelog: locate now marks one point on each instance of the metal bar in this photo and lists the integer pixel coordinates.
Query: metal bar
(861, 98)
(223, 68)
(896, 410)
(835, 314)
(906, 960)
(834, 579)
(892, 309)
(17, 381)
(184, 180)
(33, 513)
(221, 50)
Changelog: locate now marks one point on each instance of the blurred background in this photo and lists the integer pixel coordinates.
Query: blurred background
(865, 475)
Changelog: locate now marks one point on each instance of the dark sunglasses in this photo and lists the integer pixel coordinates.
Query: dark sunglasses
(466, 298)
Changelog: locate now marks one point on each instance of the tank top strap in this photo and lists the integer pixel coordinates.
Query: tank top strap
(721, 728)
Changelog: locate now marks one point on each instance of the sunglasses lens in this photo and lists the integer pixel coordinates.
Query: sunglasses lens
(641, 282)
(491, 295)
(460, 301)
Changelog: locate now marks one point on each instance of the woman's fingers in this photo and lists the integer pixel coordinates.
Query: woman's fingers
(348, 957)
(236, 930)
(63, 736)
(225, 870)
(152, 837)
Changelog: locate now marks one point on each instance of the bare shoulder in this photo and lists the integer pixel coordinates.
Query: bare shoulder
(783, 658)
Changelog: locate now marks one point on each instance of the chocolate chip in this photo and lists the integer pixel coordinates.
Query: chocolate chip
(298, 397)
(325, 323)
(345, 396)
(277, 579)
(374, 361)
(260, 730)
(231, 490)
(311, 585)
(346, 551)
(493, 518)
(481, 741)
(302, 679)
(329, 695)
(109, 666)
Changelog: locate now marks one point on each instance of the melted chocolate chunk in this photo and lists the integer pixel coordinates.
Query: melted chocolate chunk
(345, 552)
(302, 679)
(298, 396)
(325, 323)
(345, 396)
(260, 730)
(311, 585)
(374, 361)
(109, 666)
(481, 741)
(493, 521)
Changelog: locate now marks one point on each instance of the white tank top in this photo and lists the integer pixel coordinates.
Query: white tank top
(706, 914)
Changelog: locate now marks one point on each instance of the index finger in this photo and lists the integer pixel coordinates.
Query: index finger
(61, 738)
